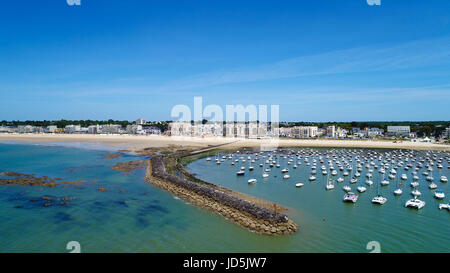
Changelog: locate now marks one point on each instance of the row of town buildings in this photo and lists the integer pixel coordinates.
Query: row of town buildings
(139, 128)
(264, 130)
(250, 130)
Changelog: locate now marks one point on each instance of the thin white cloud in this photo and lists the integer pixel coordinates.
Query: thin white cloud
(415, 54)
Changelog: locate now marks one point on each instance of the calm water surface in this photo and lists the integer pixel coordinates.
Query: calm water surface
(133, 216)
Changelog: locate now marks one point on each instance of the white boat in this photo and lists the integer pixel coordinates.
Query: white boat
(241, 172)
(347, 188)
(208, 159)
(265, 175)
(379, 200)
(369, 182)
(252, 181)
(340, 179)
(350, 197)
(416, 192)
(415, 203)
(414, 184)
(285, 170)
(385, 182)
(432, 186)
(430, 178)
(286, 176)
(404, 177)
(444, 179)
(353, 180)
(398, 191)
(298, 185)
(312, 178)
(444, 206)
(361, 188)
(329, 186)
(439, 194)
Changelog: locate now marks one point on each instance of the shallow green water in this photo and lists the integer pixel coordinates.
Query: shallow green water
(147, 219)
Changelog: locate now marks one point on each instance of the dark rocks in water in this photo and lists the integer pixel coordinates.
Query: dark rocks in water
(28, 202)
(15, 178)
(121, 203)
(114, 155)
(62, 217)
(129, 166)
(142, 222)
(150, 209)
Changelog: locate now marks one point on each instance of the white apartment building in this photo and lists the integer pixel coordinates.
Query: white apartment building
(70, 129)
(140, 121)
(331, 131)
(134, 129)
(398, 130)
(52, 128)
(111, 129)
(94, 129)
(304, 131)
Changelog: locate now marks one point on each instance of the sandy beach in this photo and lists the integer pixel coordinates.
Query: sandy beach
(137, 142)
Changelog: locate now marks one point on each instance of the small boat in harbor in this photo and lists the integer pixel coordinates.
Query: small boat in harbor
(415, 203)
(379, 199)
(252, 181)
(361, 188)
(350, 197)
(432, 186)
(416, 193)
(445, 206)
(241, 172)
(444, 179)
(298, 185)
(439, 194)
(347, 188)
(286, 176)
(398, 190)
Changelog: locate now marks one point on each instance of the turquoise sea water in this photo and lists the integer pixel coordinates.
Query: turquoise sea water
(147, 219)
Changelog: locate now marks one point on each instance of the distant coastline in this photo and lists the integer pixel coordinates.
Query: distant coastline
(136, 142)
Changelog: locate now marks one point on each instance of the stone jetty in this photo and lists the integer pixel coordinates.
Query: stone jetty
(240, 211)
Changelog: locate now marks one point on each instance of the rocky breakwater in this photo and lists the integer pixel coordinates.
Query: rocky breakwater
(242, 212)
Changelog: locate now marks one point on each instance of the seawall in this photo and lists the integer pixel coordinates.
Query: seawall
(242, 212)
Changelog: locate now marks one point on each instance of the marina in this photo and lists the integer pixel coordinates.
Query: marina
(392, 207)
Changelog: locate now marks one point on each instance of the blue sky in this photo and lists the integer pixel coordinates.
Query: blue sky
(319, 60)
